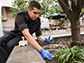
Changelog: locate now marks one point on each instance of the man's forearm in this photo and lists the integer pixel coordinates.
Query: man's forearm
(40, 38)
(31, 40)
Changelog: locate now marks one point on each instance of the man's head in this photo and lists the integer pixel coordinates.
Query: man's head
(34, 10)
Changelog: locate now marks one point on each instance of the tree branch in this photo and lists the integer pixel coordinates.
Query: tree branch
(65, 7)
(73, 6)
(79, 5)
(66, 2)
(83, 3)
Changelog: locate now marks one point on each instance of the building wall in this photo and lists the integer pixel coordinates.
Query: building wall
(1, 29)
(44, 22)
(8, 20)
(7, 3)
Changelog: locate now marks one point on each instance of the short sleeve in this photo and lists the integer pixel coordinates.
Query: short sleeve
(20, 21)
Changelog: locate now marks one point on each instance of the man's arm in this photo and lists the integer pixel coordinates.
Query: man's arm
(45, 54)
(40, 38)
(31, 40)
(46, 40)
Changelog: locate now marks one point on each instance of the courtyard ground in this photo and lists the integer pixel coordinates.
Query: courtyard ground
(30, 55)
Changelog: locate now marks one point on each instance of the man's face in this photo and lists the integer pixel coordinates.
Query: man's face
(34, 13)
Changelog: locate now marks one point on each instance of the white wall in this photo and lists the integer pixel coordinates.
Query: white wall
(1, 30)
(44, 22)
(7, 3)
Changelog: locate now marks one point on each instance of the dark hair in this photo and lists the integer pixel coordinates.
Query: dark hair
(33, 4)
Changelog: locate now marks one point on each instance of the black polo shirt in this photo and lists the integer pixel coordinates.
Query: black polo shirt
(22, 21)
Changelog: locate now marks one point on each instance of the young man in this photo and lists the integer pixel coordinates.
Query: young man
(26, 23)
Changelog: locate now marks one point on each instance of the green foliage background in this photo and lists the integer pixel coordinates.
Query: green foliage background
(48, 7)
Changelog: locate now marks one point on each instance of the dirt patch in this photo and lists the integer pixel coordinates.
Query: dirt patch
(52, 48)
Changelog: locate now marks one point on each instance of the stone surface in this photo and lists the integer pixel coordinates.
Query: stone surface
(25, 54)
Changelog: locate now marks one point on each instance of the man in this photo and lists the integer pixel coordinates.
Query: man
(26, 23)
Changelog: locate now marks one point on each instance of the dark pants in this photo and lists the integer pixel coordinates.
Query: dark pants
(7, 43)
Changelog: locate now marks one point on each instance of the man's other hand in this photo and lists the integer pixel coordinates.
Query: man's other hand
(48, 41)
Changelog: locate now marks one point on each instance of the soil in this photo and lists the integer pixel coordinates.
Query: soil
(57, 43)
(52, 48)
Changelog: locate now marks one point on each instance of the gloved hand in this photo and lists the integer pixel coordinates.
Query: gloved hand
(48, 41)
(46, 54)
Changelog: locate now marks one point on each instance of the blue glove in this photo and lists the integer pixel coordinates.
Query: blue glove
(46, 54)
(48, 41)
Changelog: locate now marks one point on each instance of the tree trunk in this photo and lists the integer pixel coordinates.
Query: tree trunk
(73, 15)
(75, 30)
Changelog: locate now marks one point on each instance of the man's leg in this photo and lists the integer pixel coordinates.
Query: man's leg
(12, 43)
(1, 59)
(3, 54)
(6, 38)
(3, 41)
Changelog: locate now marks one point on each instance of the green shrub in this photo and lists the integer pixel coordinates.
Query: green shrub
(70, 55)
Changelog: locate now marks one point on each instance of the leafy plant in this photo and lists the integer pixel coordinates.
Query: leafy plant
(70, 55)
(48, 7)
(19, 5)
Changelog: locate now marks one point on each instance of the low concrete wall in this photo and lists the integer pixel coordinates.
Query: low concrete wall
(25, 54)
(65, 40)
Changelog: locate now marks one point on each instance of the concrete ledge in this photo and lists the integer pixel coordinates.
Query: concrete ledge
(60, 33)
(25, 54)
